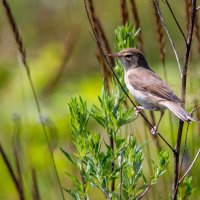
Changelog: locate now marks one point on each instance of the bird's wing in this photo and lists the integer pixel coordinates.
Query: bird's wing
(146, 80)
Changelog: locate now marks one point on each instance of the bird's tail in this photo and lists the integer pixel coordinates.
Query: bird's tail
(179, 112)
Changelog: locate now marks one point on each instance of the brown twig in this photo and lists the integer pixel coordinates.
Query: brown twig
(183, 93)
(137, 23)
(22, 52)
(115, 76)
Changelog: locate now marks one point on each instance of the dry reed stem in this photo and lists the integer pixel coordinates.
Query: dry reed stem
(12, 173)
(137, 24)
(102, 38)
(35, 190)
(22, 52)
(19, 172)
(160, 37)
(187, 13)
(124, 12)
(17, 36)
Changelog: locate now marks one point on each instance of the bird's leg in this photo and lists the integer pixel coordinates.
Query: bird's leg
(138, 109)
(155, 128)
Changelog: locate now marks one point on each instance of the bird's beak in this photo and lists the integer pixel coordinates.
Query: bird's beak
(114, 55)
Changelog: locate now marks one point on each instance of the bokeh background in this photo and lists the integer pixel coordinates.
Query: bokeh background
(61, 56)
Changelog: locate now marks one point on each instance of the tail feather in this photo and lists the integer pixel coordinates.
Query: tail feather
(179, 111)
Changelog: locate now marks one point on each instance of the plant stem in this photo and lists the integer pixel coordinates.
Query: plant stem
(186, 173)
(113, 162)
(183, 94)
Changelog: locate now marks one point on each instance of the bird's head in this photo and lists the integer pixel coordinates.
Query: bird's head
(131, 58)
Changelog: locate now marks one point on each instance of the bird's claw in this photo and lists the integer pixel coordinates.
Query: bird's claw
(154, 130)
(137, 110)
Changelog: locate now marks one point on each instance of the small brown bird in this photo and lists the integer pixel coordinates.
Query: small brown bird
(147, 87)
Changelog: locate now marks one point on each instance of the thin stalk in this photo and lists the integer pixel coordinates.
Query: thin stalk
(183, 94)
(177, 23)
(184, 149)
(190, 167)
(22, 52)
(83, 182)
(121, 178)
(12, 174)
(36, 194)
(124, 11)
(112, 188)
(156, 3)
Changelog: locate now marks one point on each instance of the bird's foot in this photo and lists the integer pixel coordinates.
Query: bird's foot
(154, 130)
(137, 110)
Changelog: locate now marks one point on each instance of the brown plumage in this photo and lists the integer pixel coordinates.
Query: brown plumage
(147, 87)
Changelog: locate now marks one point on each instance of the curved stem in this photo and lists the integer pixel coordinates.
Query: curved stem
(169, 36)
(190, 167)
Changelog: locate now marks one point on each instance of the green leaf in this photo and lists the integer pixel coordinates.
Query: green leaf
(69, 157)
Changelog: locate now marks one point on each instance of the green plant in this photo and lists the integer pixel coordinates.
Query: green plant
(112, 162)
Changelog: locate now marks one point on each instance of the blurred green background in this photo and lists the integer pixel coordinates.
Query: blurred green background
(57, 37)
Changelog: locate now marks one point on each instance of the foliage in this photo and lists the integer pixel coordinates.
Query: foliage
(114, 167)
(186, 189)
(97, 162)
(124, 38)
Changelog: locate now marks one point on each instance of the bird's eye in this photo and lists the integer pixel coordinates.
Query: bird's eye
(128, 56)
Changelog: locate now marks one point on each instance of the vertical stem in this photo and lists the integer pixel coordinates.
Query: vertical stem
(121, 176)
(113, 162)
(183, 94)
(83, 182)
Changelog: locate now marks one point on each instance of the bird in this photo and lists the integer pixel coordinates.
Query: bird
(148, 89)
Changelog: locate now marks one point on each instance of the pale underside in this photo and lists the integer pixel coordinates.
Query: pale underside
(148, 89)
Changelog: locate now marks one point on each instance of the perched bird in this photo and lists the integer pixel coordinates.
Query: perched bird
(147, 87)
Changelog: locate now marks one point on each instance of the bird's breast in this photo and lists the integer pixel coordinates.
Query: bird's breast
(147, 100)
